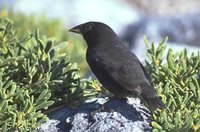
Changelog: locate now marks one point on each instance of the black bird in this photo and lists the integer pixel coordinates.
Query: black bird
(117, 68)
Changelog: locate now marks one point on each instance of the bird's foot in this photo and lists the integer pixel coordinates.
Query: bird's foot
(102, 109)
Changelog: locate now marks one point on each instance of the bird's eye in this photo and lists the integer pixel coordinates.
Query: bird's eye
(88, 27)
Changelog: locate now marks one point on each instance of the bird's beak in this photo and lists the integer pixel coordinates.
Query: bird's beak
(75, 30)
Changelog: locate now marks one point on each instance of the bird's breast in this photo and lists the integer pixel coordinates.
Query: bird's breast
(90, 55)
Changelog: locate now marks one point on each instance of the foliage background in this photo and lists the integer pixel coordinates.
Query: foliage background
(73, 46)
(36, 74)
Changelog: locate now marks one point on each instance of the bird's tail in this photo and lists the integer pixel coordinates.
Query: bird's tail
(154, 103)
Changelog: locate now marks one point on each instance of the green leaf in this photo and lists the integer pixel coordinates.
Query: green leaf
(2, 28)
(48, 46)
(170, 60)
(41, 97)
(44, 105)
(156, 125)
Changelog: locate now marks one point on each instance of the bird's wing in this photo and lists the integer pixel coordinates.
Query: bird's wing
(131, 76)
(146, 74)
(125, 68)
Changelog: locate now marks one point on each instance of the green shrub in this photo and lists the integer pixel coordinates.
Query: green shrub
(177, 79)
(50, 28)
(33, 75)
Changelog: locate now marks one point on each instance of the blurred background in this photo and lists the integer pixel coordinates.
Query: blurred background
(130, 19)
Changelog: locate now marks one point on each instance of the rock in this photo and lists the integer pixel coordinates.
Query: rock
(49, 126)
(117, 116)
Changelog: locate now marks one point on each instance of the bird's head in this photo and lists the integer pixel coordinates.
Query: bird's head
(94, 31)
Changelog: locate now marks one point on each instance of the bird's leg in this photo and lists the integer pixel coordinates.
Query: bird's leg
(103, 108)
